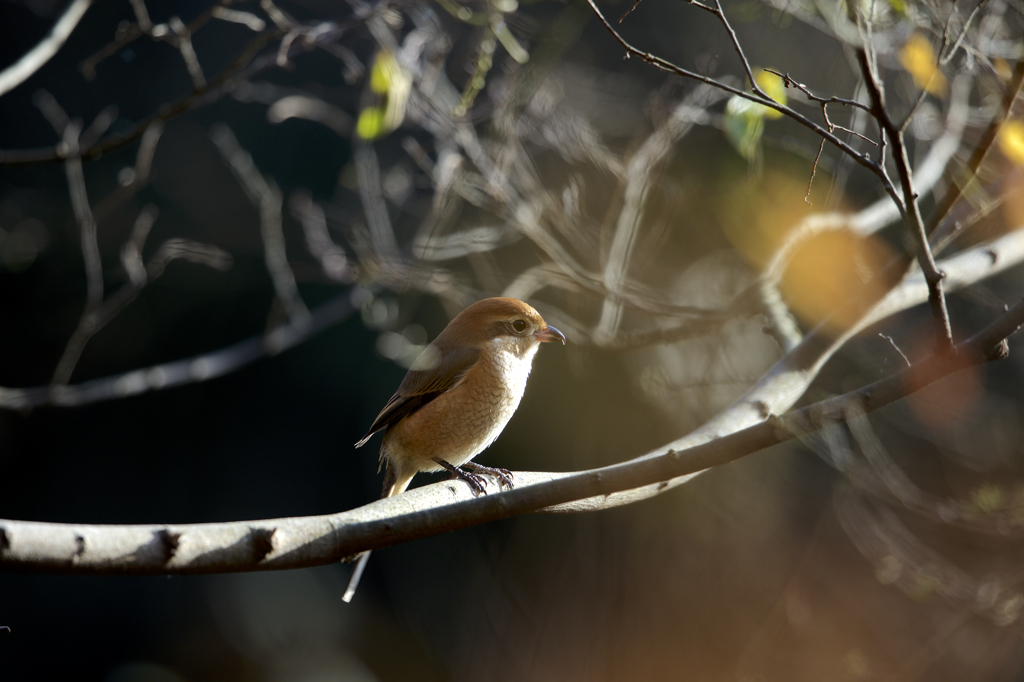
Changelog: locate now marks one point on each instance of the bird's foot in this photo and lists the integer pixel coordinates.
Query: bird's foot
(504, 476)
(475, 482)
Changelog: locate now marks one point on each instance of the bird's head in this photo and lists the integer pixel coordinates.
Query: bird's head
(506, 321)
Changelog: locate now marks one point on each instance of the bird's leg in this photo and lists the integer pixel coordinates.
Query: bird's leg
(474, 481)
(504, 476)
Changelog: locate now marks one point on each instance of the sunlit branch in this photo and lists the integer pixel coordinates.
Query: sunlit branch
(18, 72)
(275, 544)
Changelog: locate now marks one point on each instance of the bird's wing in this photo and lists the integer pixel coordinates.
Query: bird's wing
(420, 386)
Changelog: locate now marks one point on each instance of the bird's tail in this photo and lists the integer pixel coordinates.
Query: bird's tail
(392, 486)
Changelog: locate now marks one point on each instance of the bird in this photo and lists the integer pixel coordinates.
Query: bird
(457, 397)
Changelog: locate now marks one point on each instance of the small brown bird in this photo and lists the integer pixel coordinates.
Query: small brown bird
(457, 397)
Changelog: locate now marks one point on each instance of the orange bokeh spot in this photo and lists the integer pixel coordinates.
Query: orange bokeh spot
(831, 277)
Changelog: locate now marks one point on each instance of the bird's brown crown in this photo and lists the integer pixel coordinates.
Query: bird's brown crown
(491, 318)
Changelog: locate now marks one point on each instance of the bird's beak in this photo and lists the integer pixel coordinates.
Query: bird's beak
(549, 333)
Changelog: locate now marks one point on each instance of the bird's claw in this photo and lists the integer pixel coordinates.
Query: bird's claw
(475, 482)
(503, 476)
(472, 480)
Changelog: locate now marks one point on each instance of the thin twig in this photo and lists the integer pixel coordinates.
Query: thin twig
(243, 67)
(636, 3)
(188, 54)
(912, 213)
(790, 82)
(814, 169)
(762, 99)
(87, 237)
(897, 348)
(988, 138)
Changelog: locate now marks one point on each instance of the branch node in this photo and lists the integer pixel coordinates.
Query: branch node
(5, 542)
(79, 549)
(1000, 351)
(169, 541)
(779, 425)
(763, 409)
(262, 542)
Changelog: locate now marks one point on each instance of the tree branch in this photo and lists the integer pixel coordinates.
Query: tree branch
(33, 60)
(912, 211)
(275, 544)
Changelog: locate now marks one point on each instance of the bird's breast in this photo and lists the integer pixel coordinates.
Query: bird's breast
(457, 425)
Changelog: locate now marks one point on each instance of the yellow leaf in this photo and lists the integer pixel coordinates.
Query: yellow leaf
(384, 73)
(370, 125)
(918, 58)
(1011, 141)
(390, 86)
(1002, 69)
(774, 87)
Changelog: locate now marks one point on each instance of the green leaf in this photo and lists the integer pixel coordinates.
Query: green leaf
(744, 124)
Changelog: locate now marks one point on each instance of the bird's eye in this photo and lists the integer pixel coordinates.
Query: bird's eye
(519, 325)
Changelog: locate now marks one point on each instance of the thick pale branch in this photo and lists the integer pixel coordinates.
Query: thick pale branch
(301, 542)
(786, 382)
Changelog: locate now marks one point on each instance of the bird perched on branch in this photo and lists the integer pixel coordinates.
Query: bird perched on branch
(457, 397)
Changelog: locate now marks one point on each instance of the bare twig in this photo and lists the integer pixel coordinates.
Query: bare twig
(372, 196)
(247, 19)
(245, 66)
(758, 97)
(188, 55)
(87, 237)
(814, 169)
(636, 3)
(883, 212)
(912, 212)
(790, 82)
(332, 257)
(895, 347)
